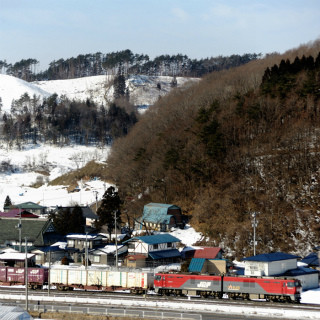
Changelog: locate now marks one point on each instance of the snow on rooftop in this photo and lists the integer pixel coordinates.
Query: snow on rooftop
(15, 256)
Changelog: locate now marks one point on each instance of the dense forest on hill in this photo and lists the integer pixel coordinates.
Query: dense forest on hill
(59, 121)
(242, 140)
(85, 65)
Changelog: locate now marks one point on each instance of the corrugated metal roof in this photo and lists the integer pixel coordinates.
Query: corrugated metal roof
(157, 212)
(163, 254)
(13, 313)
(269, 257)
(156, 239)
(196, 264)
(207, 252)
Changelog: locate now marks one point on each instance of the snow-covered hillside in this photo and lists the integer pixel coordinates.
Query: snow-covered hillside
(144, 90)
(13, 88)
(20, 169)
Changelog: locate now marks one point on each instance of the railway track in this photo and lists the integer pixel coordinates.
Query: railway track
(156, 298)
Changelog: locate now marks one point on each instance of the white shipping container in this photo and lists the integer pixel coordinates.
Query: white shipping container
(134, 279)
(58, 276)
(117, 279)
(77, 276)
(97, 278)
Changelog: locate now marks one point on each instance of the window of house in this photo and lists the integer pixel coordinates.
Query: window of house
(155, 246)
(169, 244)
(96, 258)
(70, 243)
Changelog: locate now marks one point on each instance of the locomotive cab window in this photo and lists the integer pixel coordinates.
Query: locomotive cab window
(290, 284)
(157, 278)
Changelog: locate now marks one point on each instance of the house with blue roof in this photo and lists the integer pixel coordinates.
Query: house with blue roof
(161, 217)
(158, 249)
(279, 264)
(269, 264)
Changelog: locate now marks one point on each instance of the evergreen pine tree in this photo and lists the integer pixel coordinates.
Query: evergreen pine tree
(7, 202)
(119, 85)
(77, 222)
(109, 208)
(66, 221)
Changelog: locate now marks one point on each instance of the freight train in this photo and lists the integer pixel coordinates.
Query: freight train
(139, 282)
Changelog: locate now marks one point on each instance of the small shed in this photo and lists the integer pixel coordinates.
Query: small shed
(135, 261)
(269, 264)
(210, 266)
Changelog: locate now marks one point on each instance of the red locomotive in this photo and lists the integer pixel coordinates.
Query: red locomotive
(269, 288)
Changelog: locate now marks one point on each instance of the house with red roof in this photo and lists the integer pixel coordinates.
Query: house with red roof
(202, 252)
(17, 213)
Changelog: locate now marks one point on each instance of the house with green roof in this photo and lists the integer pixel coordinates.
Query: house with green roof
(161, 217)
(27, 206)
(39, 232)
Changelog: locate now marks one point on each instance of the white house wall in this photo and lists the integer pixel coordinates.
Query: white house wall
(254, 268)
(259, 268)
(139, 247)
(281, 266)
(309, 281)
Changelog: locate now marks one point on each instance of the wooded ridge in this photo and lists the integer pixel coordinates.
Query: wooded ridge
(243, 140)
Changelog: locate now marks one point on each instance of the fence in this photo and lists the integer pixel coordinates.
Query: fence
(123, 312)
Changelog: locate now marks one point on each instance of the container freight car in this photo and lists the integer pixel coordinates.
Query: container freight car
(274, 289)
(101, 279)
(37, 277)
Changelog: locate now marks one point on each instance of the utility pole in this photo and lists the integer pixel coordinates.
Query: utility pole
(26, 272)
(254, 225)
(86, 251)
(49, 271)
(96, 192)
(116, 237)
(19, 226)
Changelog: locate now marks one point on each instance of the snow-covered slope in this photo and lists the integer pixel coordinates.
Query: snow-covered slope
(20, 169)
(144, 90)
(13, 88)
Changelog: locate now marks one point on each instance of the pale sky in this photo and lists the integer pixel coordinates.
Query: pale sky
(48, 30)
